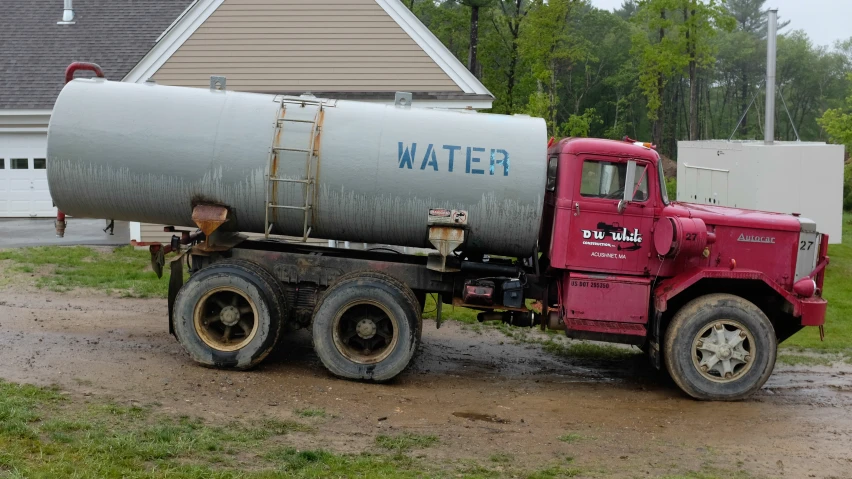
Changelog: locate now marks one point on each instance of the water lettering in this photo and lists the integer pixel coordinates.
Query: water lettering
(452, 149)
(406, 156)
(502, 161)
(473, 159)
(429, 159)
(444, 156)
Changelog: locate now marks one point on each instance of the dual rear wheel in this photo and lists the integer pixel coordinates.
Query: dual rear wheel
(367, 326)
(231, 314)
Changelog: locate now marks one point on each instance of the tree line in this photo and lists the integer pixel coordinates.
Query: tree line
(664, 70)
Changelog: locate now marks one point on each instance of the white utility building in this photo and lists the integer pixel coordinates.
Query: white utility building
(779, 176)
(783, 177)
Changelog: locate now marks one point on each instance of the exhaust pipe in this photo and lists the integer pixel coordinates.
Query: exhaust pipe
(771, 56)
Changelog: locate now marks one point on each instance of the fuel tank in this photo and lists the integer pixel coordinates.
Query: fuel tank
(340, 169)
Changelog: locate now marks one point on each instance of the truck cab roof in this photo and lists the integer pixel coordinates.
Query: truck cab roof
(576, 146)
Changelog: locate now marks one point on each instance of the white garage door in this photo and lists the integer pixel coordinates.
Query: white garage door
(23, 177)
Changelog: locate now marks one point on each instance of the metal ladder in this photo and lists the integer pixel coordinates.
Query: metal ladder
(310, 172)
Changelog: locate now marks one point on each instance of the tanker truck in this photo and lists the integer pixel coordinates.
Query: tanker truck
(576, 235)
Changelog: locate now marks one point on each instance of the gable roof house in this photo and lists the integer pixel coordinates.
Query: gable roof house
(347, 49)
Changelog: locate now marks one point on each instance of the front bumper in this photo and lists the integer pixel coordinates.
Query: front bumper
(813, 309)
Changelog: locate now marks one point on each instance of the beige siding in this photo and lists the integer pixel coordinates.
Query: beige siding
(154, 234)
(304, 45)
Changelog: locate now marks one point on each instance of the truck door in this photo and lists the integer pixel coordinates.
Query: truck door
(602, 238)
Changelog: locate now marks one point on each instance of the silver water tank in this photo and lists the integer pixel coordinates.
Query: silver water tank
(363, 172)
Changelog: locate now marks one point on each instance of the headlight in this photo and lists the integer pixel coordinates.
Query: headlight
(805, 287)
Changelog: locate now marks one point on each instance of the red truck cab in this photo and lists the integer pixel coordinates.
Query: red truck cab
(636, 267)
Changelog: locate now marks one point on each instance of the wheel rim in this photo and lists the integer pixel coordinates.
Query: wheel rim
(365, 332)
(723, 351)
(225, 319)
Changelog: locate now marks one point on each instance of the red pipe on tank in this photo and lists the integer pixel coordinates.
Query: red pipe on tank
(85, 66)
(73, 68)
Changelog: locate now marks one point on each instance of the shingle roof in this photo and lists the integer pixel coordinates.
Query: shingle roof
(34, 50)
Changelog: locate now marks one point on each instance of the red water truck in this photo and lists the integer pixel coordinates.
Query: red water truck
(577, 235)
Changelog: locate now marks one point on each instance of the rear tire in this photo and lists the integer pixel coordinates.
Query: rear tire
(366, 326)
(720, 347)
(229, 315)
(413, 298)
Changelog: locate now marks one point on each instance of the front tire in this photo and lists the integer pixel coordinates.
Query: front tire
(366, 326)
(720, 347)
(229, 315)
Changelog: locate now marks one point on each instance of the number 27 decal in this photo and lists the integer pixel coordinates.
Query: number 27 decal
(806, 245)
(691, 236)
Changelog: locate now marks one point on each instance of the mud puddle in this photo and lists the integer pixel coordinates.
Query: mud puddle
(480, 393)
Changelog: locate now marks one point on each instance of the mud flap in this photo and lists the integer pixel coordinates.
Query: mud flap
(438, 305)
(654, 344)
(175, 283)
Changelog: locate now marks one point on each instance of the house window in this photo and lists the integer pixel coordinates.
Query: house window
(39, 163)
(20, 163)
(2, 164)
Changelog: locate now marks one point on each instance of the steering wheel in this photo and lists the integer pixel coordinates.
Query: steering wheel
(619, 193)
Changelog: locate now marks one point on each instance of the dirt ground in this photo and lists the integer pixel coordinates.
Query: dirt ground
(479, 392)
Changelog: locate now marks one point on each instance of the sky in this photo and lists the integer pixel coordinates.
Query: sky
(825, 21)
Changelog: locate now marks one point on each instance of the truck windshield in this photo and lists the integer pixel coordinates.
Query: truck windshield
(663, 192)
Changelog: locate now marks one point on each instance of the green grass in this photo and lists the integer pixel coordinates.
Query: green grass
(449, 313)
(45, 435)
(571, 437)
(712, 473)
(501, 458)
(310, 412)
(804, 360)
(406, 441)
(123, 271)
(555, 472)
(838, 291)
(671, 188)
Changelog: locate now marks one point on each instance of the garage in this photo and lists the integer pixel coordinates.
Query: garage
(23, 176)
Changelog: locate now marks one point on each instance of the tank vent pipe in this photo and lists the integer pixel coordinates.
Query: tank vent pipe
(67, 14)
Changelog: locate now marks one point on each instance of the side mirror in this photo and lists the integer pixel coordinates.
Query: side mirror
(552, 169)
(629, 185)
